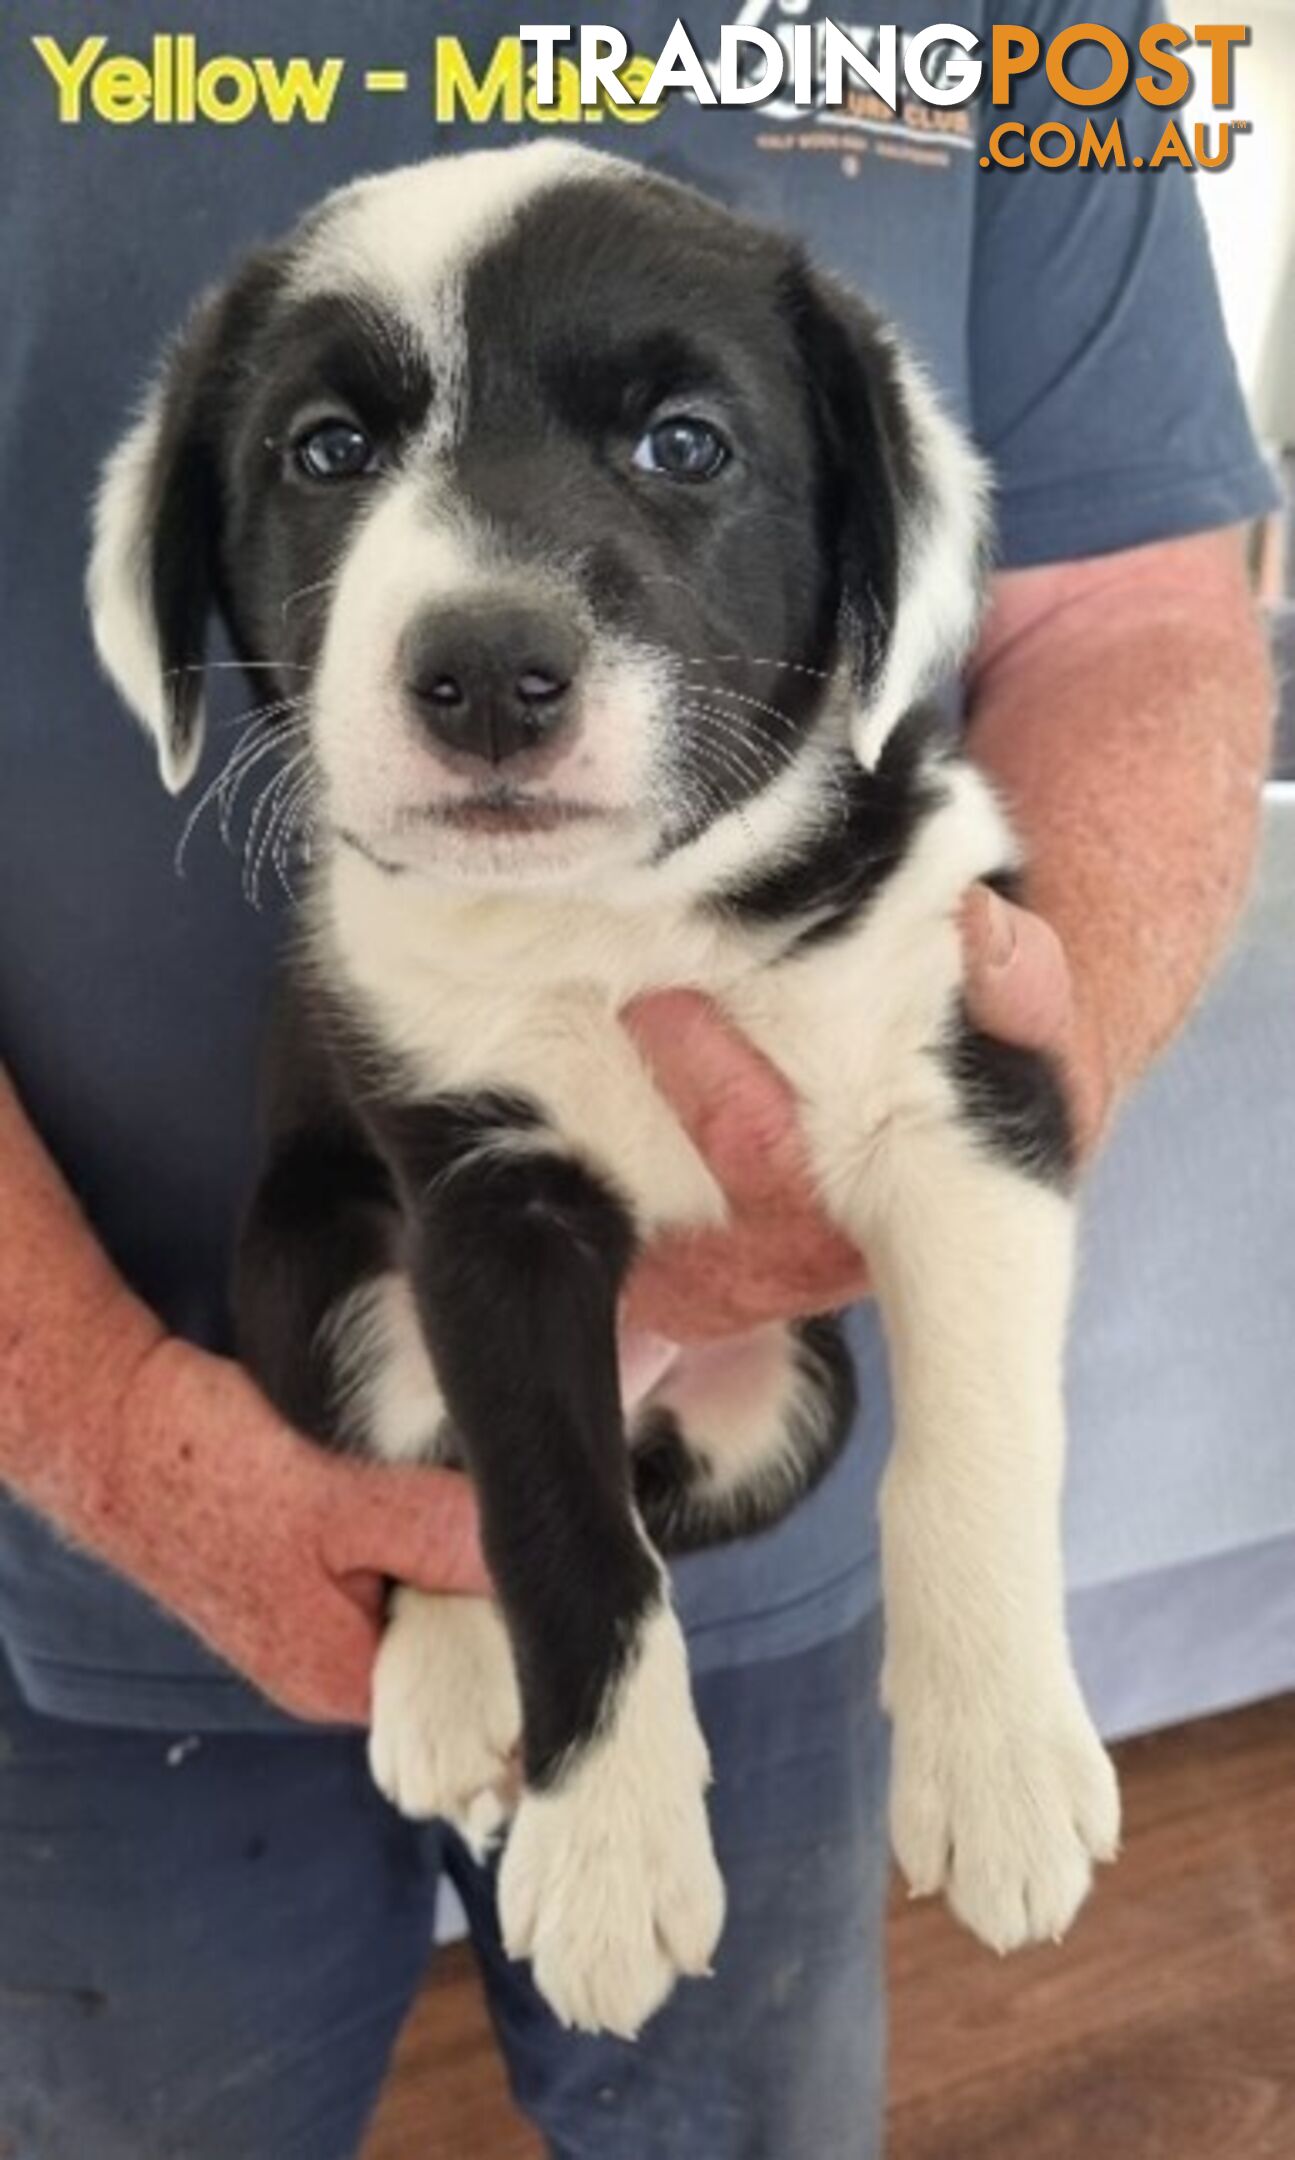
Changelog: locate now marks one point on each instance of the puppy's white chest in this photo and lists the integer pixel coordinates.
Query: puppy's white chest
(470, 1002)
(490, 999)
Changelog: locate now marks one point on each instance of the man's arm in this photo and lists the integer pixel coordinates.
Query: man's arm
(72, 1337)
(1123, 705)
(168, 1464)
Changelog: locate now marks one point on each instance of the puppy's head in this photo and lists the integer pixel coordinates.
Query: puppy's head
(580, 516)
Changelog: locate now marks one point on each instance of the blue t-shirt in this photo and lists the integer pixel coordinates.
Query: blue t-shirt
(1069, 315)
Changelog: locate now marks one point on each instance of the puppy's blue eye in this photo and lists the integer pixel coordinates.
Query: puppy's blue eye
(682, 448)
(334, 450)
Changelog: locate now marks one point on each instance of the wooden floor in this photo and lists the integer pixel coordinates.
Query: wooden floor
(1164, 2029)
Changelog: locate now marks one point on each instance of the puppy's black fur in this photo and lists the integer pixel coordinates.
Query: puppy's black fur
(591, 311)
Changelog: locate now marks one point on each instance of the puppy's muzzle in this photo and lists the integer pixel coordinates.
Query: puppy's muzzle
(491, 680)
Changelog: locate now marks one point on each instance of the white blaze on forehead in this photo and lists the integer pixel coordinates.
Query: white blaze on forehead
(402, 232)
(404, 239)
(411, 552)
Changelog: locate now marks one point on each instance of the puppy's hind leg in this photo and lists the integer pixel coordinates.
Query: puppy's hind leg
(739, 1431)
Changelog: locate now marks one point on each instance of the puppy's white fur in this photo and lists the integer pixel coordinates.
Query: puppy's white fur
(940, 553)
(409, 230)
(391, 1399)
(744, 1403)
(117, 587)
(1001, 1790)
(378, 779)
(608, 1882)
(446, 1723)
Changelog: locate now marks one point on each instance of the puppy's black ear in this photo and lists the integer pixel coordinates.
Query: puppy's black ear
(152, 580)
(906, 502)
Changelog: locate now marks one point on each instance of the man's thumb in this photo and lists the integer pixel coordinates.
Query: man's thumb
(737, 1110)
(1018, 985)
(416, 1526)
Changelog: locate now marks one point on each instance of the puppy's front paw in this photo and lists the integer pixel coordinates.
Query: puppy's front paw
(1003, 1806)
(446, 1716)
(609, 1883)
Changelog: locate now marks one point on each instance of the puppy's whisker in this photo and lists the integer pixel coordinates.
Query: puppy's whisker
(267, 819)
(259, 727)
(223, 788)
(293, 833)
(237, 667)
(664, 577)
(791, 732)
(740, 659)
(268, 796)
(298, 800)
(287, 828)
(700, 803)
(214, 792)
(756, 755)
(732, 723)
(237, 772)
(280, 731)
(261, 824)
(305, 592)
(731, 752)
(297, 851)
(744, 697)
(732, 730)
(257, 715)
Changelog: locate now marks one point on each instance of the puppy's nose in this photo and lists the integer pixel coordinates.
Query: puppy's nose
(490, 681)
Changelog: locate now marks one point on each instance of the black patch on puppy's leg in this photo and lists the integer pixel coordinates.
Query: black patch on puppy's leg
(670, 1476)
(1015, 1100)
(517, 1256)
(323, 1222)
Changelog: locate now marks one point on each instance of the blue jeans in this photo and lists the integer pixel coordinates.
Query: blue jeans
(207, 1948)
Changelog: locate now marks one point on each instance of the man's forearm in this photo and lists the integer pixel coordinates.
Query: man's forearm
(1124, 709)
(72, 1336)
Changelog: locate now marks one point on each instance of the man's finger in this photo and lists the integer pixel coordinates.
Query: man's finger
(1018, 985)
(418, 1526)
(701, 1287)
(737, 1110)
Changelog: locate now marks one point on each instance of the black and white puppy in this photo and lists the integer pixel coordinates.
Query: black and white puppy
(602, 554)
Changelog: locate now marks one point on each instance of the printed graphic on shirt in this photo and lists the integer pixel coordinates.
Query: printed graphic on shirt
(907, 128)
(857, 94)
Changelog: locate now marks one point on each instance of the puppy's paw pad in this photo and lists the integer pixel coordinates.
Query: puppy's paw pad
(446, 1718)
(1007, 1816)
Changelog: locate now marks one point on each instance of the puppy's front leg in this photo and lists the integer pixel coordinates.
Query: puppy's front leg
(517, 1253)
(1001, 1792)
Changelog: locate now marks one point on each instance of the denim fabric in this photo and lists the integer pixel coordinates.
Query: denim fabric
(207, 1945)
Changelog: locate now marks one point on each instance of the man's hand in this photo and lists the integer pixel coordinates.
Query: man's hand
(274, 1552)
(780, 1256)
